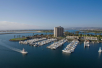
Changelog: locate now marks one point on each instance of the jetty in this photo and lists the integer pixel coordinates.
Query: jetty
(57, 44)
(71, 47)
(44, 42)
(30, 42)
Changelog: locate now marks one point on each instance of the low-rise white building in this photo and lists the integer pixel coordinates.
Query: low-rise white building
(77, 37)
(72, 37)
(90, 38)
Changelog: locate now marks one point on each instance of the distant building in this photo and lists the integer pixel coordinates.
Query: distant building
(58, 31)
(90, 38)
(77, 37)
(72, 37)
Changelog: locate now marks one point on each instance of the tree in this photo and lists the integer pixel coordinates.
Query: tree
(46, 32)
(66, 33)
(33, 34)
(77, 32)
(14, 36)
(95, 33)
(41, 35)
(100, 33)
(17, 36)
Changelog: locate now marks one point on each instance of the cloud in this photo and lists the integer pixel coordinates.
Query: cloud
(5, 25)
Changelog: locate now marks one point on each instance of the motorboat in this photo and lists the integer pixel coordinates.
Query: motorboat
(24, 52)
(86, 43)
(67, 51)
(35, 45)
(100, 50)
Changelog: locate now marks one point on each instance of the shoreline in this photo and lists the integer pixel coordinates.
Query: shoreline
(20, 32)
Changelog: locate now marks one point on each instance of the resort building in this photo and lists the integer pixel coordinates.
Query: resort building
(58, 31)
(72, 37)
(90, 38)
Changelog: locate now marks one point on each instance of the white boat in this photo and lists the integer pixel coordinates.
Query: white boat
(100, 50)
(24, 52)
(72, 50)
(86, 43)
(35, 45)
(67, 51)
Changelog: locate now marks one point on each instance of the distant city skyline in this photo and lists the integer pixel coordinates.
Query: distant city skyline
(47, 14)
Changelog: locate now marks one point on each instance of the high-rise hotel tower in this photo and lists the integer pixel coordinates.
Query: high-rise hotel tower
(58, 31)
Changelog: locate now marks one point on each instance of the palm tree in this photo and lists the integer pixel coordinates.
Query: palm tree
(95, 33)
(41, 35)
(14, 36)
(79, 33)
(19, 36)
(33, 34)
(46, 33)
(84, 35)
(100, 33)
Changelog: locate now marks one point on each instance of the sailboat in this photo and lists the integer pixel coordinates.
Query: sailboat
(24, 52)
(100, 50)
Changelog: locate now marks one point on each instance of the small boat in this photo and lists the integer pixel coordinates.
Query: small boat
(35, 45)
(24, 52)
(67, 51)
(100, 50)
(86, 43)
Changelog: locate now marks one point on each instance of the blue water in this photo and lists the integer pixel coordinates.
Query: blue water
(16, 31)
(47, 58)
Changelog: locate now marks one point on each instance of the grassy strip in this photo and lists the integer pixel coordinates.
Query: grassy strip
(18, 39)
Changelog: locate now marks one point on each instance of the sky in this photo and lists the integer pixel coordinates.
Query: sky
(47, 14)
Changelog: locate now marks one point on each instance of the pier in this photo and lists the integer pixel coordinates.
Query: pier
(57, 44)
(30, 42)
(71, 47)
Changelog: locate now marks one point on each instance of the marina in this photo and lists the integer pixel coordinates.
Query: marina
(70, 47)
(35, 56)
(51, 34)
(31, 41)
(44, 42)
(37, 42)
(55, 45)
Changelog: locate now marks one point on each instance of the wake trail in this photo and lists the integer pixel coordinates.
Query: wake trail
(14, 49)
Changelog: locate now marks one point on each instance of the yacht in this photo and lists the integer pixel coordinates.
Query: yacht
(24, 52)
(35, 45)
(86, 43)
(67, 51)
(100, 50)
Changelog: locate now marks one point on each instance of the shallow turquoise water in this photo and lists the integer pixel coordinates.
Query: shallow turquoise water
(47, 58)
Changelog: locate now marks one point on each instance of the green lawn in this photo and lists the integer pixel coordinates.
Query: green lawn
(14, 39)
